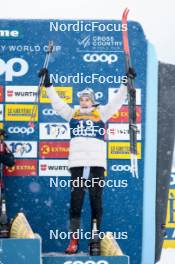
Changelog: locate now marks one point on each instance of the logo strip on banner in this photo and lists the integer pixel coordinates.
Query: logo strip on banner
(19, 112)
(22, 167)
(65, 93)
(53, 168)
(121, 150)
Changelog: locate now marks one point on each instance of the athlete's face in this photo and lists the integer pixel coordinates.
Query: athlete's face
(85, 102)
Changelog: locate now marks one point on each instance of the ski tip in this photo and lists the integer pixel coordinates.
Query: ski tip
(125, 13)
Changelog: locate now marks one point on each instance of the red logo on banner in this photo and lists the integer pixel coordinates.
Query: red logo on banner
(1, 93)
(54, 149)
(22, 168)
(43, 167)
(10, 93)
(122, 115)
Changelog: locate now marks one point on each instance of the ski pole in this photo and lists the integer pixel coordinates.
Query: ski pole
(40, 85)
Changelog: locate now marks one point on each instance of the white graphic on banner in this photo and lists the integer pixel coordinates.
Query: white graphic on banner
(23, 149)
(21, 93)
(138, 95)
(54, 131)
(121, 131)
(8, 68)
(53, 168)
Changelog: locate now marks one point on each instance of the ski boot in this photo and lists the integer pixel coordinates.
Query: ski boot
(72, 247)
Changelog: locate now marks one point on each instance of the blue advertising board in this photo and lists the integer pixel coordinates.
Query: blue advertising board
(86, 54)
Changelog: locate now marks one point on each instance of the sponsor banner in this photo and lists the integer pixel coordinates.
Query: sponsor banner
(21, 94)
(121, 150)
(20, 112)
(170, 220)
(9, 69)
(122, 115)
(1, 93)
(169, 241)
(121, 167)
(23, 149)
(65, 93)
(48, 114)
(100, 57)
(1, 112)
(20, 130)
(54, 149)
(22, 167)
(54, 131)
(138, 95)
(121, 131)
(99, 43)
(6, 33)
(53, 168)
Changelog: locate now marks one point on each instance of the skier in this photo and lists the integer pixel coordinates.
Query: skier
(87, 153)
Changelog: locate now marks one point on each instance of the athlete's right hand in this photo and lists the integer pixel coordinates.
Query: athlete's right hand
(43, 73)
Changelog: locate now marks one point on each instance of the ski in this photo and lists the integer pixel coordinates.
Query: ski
(131, 99)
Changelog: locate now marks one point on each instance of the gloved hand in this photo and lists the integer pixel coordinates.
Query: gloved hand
(131, 73)
(44, 72)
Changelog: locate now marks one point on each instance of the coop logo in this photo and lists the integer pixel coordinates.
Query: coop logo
(121, 168)
(15, 67)
(9, 34)
(21, 130)
(111, 58)
(49, 112)
(86, 262)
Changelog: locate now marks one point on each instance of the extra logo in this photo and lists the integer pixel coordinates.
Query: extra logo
(15, 67)
(86, 262)
(108, 58)
(23, 167)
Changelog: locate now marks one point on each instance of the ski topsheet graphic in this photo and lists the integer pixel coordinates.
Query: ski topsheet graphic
(131, 100)
(84, 54)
